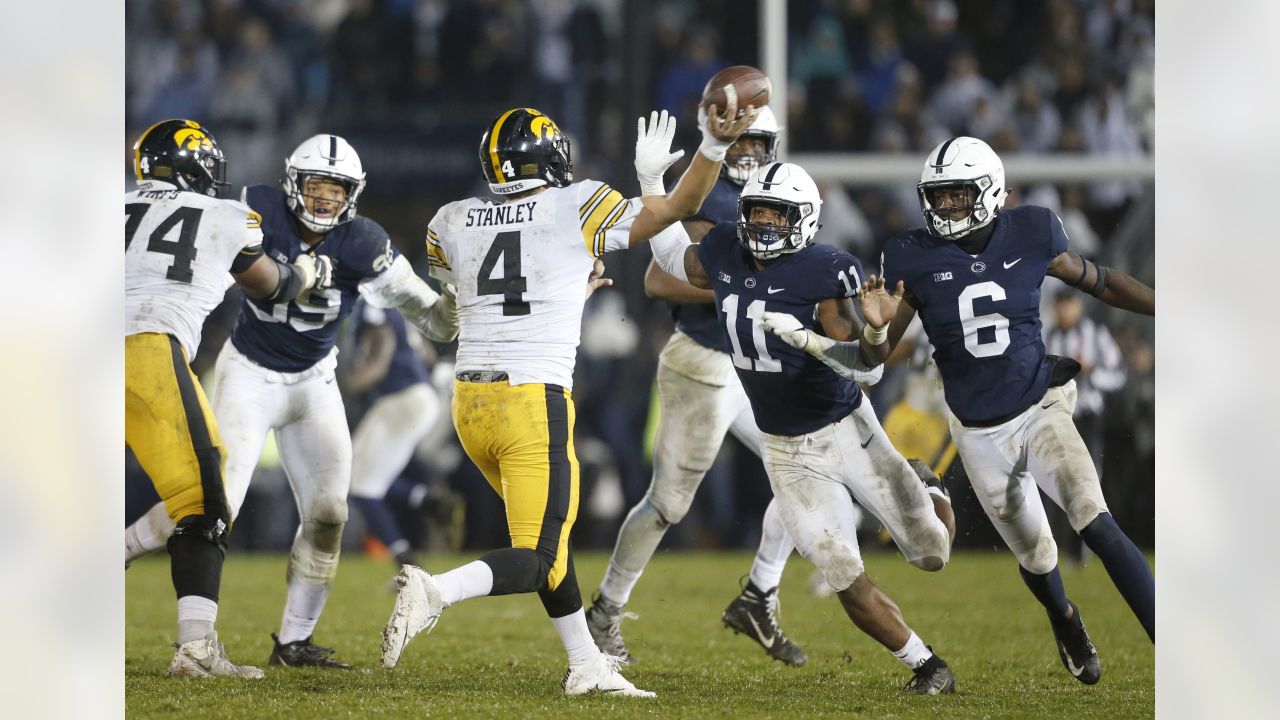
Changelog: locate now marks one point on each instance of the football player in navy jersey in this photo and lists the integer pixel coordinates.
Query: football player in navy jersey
(402, 409)
(821, 441)
(701, 400)
(973, 273)
(277, 370)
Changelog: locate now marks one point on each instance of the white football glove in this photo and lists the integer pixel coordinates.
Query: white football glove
(317, 271)
(653, 151)
(788, 328)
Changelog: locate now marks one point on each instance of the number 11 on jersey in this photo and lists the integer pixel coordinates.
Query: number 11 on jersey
(764, 362)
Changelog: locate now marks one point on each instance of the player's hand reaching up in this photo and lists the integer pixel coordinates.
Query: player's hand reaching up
(653, 151)
(878, 306)
(725, 130)
(788, 328)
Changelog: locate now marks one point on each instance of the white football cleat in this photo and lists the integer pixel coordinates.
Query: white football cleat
(206, 658)
(418, 607)
(600, 675)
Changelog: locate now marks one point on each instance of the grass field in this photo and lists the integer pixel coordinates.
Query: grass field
(500, 657)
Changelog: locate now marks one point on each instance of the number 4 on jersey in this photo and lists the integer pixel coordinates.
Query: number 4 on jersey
(511, 285)
(183, 249)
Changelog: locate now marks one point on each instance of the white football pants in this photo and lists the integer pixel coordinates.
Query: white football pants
(387, 436)
(306, 411)
(1039, 448)
(813, 476)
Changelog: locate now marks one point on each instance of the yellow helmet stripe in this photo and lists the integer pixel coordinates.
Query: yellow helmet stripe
(493, 145)
(137, 150)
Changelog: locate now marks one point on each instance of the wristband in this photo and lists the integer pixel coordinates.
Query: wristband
(875, 336)
(713, 149)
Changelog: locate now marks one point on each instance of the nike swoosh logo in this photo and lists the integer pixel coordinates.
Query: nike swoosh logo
(766, 642)
(1011, 264)
(771, 290)
(326, 382)
(868, 442)
(1046, 407)
(1072, 666)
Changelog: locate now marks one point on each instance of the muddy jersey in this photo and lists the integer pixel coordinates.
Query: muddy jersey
(521, 270)
(180, 248)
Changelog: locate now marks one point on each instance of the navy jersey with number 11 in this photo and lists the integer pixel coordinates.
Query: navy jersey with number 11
(982, 312)
(791, 392)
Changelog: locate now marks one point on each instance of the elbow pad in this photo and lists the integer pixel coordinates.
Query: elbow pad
(669, 249)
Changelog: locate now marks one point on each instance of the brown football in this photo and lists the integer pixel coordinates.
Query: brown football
(751, 86)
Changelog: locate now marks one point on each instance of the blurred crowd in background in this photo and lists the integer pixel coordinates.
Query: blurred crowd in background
(412, 84)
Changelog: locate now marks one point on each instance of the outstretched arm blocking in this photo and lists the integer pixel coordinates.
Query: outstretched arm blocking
(1112, 287)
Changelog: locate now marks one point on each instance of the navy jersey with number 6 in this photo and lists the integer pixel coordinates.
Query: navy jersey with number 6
(791, 392)
(293, 336)
(982, 312)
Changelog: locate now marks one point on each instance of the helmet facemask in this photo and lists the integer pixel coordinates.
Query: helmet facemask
(739, 166)
(766, 241)
(296, 186)
(958, 220)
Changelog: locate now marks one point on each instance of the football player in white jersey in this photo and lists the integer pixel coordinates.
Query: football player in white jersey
(183, 248)
(277, 369)
(519, 264)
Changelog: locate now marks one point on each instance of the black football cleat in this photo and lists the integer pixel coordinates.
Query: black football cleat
(1078, 655)
(755, 614)
(302, 653)
(934, 677)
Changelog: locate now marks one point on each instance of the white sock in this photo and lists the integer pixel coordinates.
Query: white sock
(914, 653)
(302, 608)
(775, 548)
(196, 616)
(148, 533)
(576, 637)
(475, 579)
(637, 540)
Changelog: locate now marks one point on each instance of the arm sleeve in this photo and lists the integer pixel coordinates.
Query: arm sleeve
(434, 315)
(605, 218)
(669, 247)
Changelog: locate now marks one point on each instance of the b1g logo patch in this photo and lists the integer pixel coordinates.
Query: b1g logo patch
(939, 277)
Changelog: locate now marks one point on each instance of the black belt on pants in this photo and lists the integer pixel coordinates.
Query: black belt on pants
(482, 376)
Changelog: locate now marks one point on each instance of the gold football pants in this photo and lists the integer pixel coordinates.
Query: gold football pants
(172, 431)
(521, 438)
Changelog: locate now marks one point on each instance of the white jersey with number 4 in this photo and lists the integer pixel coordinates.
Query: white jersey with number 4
(179, 247)
(521, 270)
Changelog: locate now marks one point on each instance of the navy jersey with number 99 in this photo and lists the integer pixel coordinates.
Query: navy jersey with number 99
(791, 392)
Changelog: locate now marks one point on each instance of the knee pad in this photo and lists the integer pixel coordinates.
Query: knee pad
(671, 494)
(838, 561)
(930, 563)
(328, 509)
(1042, 558)
(647, 511)
(314, 557)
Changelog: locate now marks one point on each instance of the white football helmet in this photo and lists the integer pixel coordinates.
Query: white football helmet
(739, 167)
(789, 188)
(327, 156)
(963, 162)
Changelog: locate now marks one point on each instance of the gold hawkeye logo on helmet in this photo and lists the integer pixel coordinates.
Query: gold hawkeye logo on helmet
(192, 137)
(543, 127)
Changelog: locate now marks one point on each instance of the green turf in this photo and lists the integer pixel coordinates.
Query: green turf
(500, 657)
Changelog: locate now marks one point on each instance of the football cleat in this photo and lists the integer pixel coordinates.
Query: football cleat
(755, 614)
(604, 620)
(932, 678)
(600, 675)
(302, 653)
(1074, 647)
(207, 658)
(418, 608)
